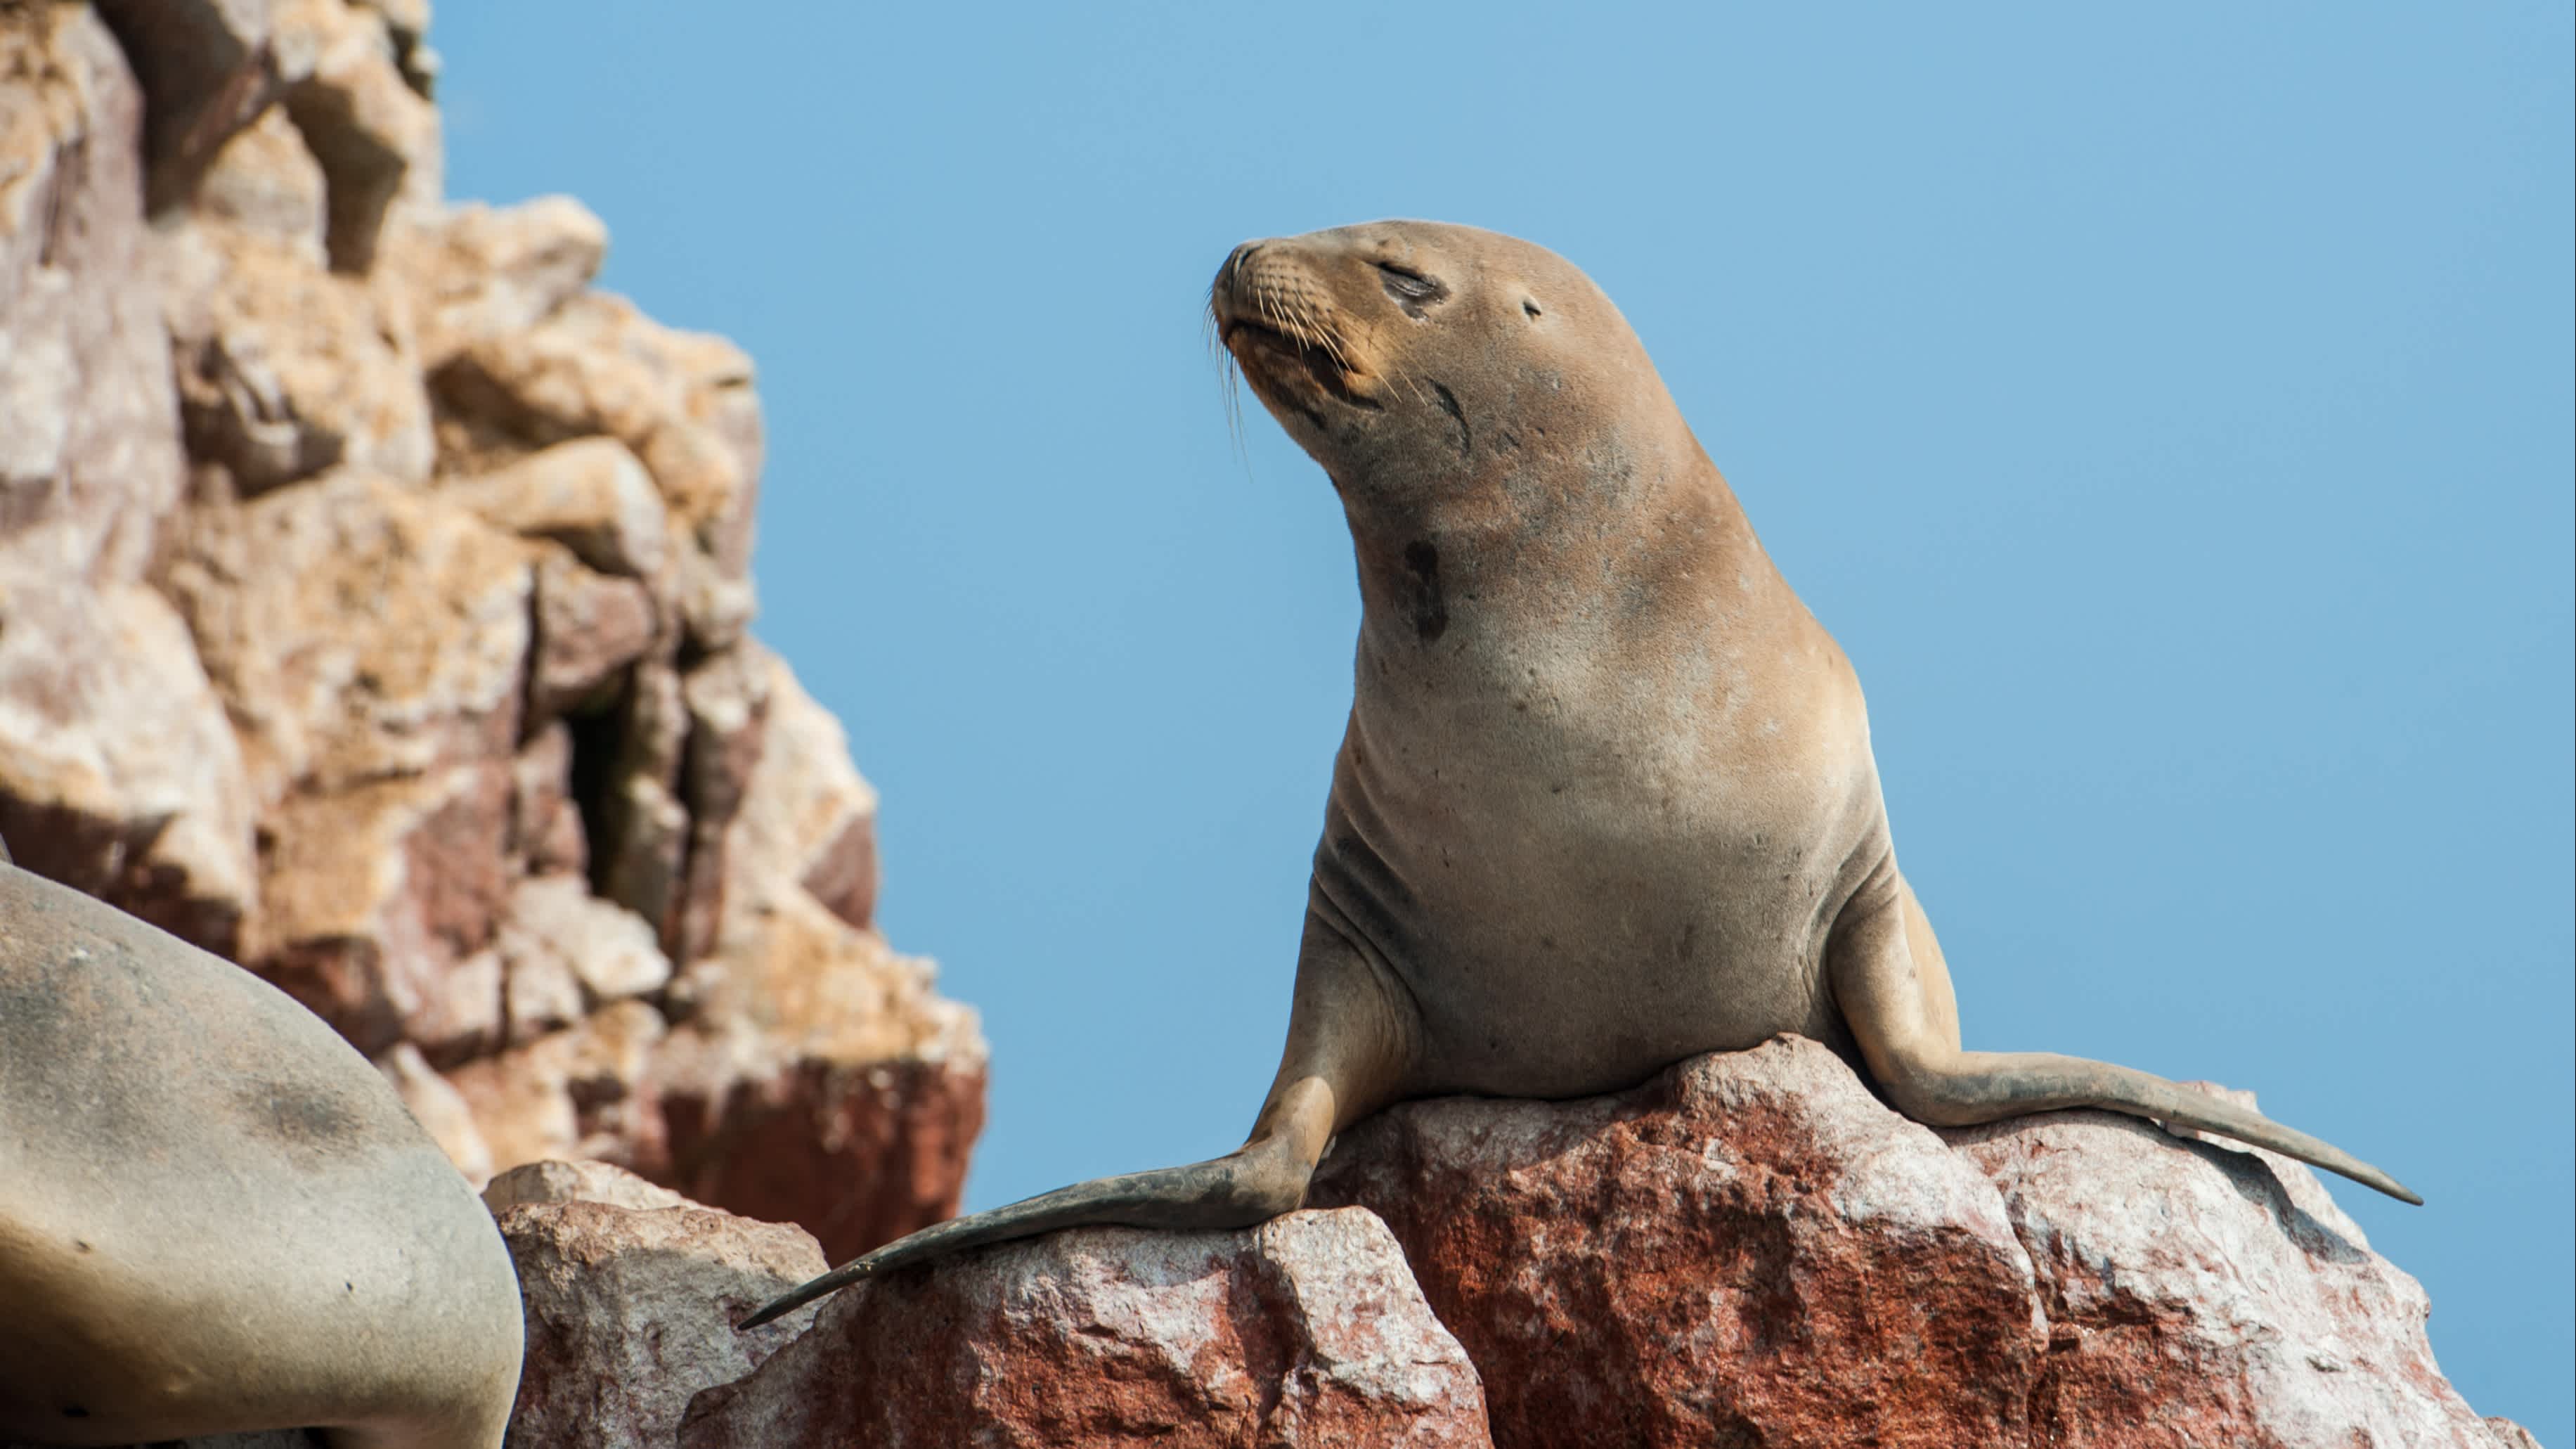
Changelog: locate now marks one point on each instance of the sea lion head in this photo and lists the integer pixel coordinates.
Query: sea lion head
(1424, 364)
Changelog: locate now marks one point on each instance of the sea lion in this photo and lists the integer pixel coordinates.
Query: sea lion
(215, 1216)
(1606, 799)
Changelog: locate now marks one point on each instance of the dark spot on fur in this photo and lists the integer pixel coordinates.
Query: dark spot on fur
(1430, 611)
(74, 1411)
(296, 1115)
(1449, 405)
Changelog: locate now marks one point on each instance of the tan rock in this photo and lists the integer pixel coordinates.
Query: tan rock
(556, 1181)
(1304, 1331)
(681, 401)
(472, 272)
(286, 370)
(807, 816)
(591, 495)
(118, 772)
(378, 903)
(631, 1313)
(265, 183)
(607, 952)
(376, 137)
(355, 629)
(589, 628)
(584, 1092)
(439, 1109)
(89, 442)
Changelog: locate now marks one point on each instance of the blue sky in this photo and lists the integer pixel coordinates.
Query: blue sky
(2169, 411)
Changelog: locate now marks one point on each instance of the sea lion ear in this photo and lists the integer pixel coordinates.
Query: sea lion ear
(1531, 308)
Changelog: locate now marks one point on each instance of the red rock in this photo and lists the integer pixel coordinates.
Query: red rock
(1748, 1249)
(589, 628)
(1751, 1248)
(858, 1153)
(631, 1312)
(546, 835)
(1304, 1331)
(2209, 1295)
(118, 771)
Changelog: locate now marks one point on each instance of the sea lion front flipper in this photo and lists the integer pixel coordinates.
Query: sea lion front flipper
(1348, 1047)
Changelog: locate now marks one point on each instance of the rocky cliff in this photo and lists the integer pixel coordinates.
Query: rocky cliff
(373, 609)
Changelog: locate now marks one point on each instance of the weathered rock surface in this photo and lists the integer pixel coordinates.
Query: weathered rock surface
(631, 1302)
(373, 599)
(1752, 1249)
(1304, 1331)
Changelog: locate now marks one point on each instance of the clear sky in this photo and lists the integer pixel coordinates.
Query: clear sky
(2168, 410)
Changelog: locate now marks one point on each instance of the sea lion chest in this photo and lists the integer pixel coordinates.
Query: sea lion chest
(1592, 844)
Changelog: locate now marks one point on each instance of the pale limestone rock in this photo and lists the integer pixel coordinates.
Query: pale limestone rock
(379, 899)
(285, 370)
(89, 442)
(356, 630)
(606, 952)
(555, 1181)
(376, 137)
(265, 183)
(681, 401)
(2216, 1289)
(583, 1092)
(473, 272)
(440, 1111)
(591, 495)
(118, 773)
(1306, 1330)
(807, 816)
(631, 1313)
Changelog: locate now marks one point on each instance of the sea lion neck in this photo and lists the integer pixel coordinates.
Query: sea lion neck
(1577, 541)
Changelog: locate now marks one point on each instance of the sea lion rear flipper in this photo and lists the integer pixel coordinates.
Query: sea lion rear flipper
(1894, 1013)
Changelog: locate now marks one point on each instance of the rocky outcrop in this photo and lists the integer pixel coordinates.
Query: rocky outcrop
(1752, 1249)
(1749, 1250)
(373, 608)
(1305, 1331)
(631, 1294)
